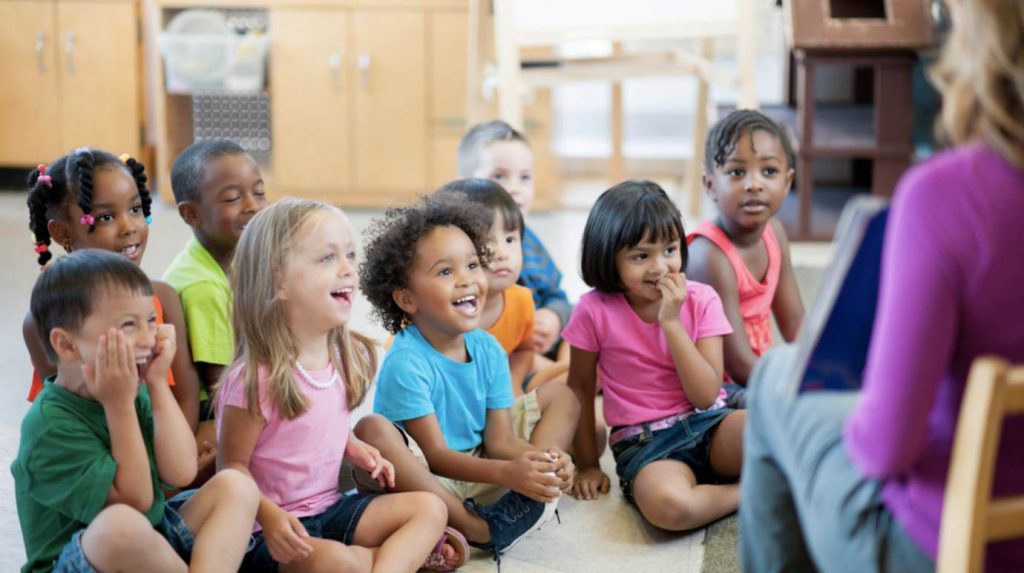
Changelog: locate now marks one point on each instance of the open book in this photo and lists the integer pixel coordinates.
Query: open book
(832, 347)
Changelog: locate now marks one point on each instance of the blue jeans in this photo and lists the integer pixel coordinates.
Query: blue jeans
(337, 522)
(172, 527)
(687, 441)
(804, 504)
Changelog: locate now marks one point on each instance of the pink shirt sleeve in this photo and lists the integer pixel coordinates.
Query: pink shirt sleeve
(916, 325)
(710, 316)
(581, 331)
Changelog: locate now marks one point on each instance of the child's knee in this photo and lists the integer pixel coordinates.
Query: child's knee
(231, 484)
(561, 396)
(338, 558)
(429, 506)
(376, 429)
(117, 532)
(668, 510)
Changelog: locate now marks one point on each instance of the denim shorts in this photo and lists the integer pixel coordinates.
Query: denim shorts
(337, 522)
(687, 441)
(172, 527)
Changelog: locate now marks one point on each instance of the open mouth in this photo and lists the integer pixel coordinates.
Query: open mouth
(142, 364)
(131, 251)
(343, 294)
(467, 305)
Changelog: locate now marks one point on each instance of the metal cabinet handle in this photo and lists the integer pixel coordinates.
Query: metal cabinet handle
(69, 52)
(40, 49)
(334, 63)
(364, 69)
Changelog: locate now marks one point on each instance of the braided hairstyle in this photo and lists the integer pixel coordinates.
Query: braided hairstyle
(70, 178)
(721, 140)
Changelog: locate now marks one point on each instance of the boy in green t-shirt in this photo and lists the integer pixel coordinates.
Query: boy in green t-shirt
(105, 434)
(219, 189)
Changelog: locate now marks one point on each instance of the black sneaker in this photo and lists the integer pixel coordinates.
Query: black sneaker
(509, 520)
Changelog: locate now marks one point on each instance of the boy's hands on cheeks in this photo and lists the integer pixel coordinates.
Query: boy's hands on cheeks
(285, 536)
(673, 295)
(114, 378)
(163, 355)
(546, 326)
(590, 483)
(367, 457)
(532, 474)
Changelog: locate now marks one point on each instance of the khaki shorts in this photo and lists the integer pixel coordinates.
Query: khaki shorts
(525, 414)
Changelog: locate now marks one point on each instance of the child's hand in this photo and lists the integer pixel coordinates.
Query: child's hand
(564, 469)
(546, 325)
(590, 483)
(531, 475)
(285, 537)
(673, 294)
(367, 457)
(114, 377)
(163, 354)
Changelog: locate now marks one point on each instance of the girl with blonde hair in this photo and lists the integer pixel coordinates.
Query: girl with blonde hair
(283, 407)
(855, 481)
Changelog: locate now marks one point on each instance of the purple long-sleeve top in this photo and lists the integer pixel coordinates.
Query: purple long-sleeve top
(952, 290)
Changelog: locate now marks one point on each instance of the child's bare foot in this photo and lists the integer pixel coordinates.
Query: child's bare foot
(451, 552)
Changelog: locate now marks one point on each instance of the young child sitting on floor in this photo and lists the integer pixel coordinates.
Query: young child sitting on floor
(105, 434)
(655, 339)
(744, 252)
(495, 150)
(462, 433)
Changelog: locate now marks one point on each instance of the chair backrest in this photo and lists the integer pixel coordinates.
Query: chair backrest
(971, 518)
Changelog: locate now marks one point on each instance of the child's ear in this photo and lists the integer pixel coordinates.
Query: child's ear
(189, 212)
(790, 174)
(708, 183)
(60, 233)
(64, 344)
(405, 301)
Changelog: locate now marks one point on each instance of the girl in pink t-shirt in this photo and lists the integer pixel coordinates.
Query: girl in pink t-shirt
(283, 407)
(744, 253)
(655, 341)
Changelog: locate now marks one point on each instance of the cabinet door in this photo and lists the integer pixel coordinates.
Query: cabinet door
(449, 36)
(390, 112)
(28, 99)
(309, 101)
(98, 57)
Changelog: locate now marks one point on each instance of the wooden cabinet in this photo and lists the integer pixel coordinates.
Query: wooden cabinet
(71, 79)
(368, 98)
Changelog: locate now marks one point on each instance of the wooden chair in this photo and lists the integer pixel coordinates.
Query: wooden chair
(971, 518)
(513, 78)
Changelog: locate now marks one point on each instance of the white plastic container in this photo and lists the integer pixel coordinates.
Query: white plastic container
(202, 53)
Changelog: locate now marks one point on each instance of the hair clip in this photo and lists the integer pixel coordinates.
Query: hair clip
(82, 150)
(149, 219)
(125, 158)
(88, 220)
(41, 248)
(43, 177)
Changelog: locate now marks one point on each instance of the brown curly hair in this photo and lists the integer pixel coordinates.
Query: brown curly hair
(391, 246)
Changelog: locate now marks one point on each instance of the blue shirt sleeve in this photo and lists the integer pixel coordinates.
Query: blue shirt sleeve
(404, 386)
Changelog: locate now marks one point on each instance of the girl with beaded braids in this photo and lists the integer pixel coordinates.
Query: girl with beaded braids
(90, 199)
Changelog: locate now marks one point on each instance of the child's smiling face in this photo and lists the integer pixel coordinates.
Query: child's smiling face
(120, 224)
(230, 195)
(447, 284)
(750, 186)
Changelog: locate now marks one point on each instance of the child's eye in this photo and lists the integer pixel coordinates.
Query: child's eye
(136, 209)
(152, 320)
(128, 324)
(497, 176)
(473, 266)
(511, 239)
(105, 218)
(233, 199)
(445, 272)
(640, 256)
(526, 177)
(670, 250)
(351, 255)
(770, 171)
(328, 258)
(735, 173)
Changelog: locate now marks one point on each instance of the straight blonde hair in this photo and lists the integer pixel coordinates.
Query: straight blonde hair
(981, 76)
(263, 338)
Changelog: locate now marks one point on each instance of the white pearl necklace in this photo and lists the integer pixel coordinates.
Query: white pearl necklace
(312, 381)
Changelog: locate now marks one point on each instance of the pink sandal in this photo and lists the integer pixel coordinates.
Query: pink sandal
(436, 561)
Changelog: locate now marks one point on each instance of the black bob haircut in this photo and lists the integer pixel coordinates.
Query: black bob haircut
(189, 168)
(494, 197)
(390, 248)
(624, 216)
(66, 292)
